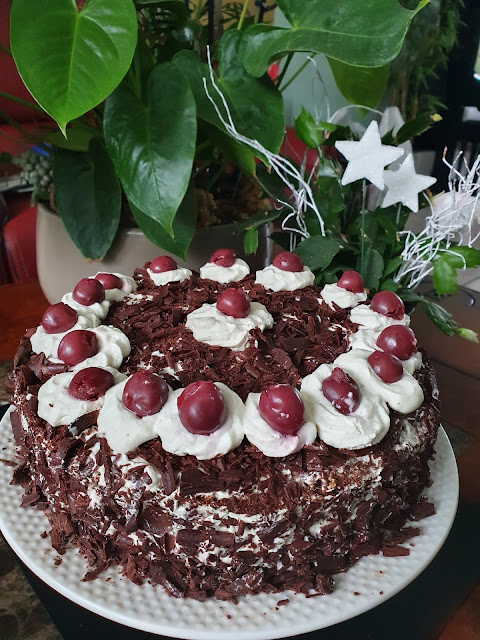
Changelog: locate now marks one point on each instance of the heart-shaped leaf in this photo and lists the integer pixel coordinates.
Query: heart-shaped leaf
(71, 60)
(88, 197)
(152, 144)
(184, 226)
(360, 85)
(366, 34)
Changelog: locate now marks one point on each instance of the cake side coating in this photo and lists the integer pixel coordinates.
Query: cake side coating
(239, 523)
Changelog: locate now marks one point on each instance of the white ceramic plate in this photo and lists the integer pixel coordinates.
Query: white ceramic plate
(374, 578)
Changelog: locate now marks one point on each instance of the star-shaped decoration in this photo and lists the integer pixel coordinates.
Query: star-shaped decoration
(367, 157)
(404, 185)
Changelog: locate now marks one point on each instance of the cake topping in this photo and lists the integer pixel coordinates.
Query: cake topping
(288, 261)
(343, 298)
(387, 303)
(351, 281)
(398, 340)
(109, 280)
(163, 264)
(145, 393)
(76, 346)
(59, 318)
(341, 391)
(234, 303)
(88, 291)
(90, 383)
(223, 257)
(386, 366)
(201, 407)
(282, 408)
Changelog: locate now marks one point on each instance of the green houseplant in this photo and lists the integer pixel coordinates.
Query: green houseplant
(126, 83)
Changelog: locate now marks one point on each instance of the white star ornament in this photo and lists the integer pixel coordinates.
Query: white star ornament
(404, 185)
(367, 157)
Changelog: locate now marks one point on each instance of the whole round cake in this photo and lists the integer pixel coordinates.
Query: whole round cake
(225, 433)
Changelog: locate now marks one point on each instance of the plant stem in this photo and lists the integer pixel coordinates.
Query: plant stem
(242, 15)
(25, 103)
(199, 10)
(362, 239)
(296, 74)
(285, 67)
(397, 219)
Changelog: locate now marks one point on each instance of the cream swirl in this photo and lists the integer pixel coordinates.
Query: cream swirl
(99, 309)
(404, 395)
(224, 275)
(366, 317)
(47, 343)
(113, 347)
(128, 286)
(270, 442)
(365, 426)
(277, 279)
(123, 429)
(344, 299)
(177, 440)
(367, 339)
(57, 406)
(174, 275)
(213, 327)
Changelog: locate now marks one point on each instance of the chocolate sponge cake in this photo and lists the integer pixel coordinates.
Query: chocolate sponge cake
(225, 433)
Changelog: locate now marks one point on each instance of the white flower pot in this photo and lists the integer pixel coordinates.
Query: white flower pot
(60, 264)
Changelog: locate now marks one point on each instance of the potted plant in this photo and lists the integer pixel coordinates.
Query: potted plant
(140, 141)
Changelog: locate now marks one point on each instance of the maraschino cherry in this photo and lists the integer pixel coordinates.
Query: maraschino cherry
(288, 261)
(234, 303)
(59, 318)
(145, 393)
(77, 346)
(282, 408)
(163, 264)
(398, 340)
(387, 303)
(223, 257)
(351, 281)
(90, 383)
(201, 407)
(342, 391)
(88, 291)
(386, 366)
(109, 280)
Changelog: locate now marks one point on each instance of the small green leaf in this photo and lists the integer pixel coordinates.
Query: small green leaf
(439, 316)
(360, 85)
(392, 265)
(184, 226)
(152, 144)
(467, 334)
(77, 137)
(88, 197)
(307, 130)
(415, 127)
(258, 220)
(372, 268)
(460, 257)
(250, 241)
(389, 285)
(317, 252)
(71, 60)
(444, 277)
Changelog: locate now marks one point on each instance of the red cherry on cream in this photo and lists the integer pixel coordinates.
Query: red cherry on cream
(109, 280)
(201, 407)
(77, 346)
(88, 291)
(388, 304)
(288, 261)
(59, 318)
(162, 264)
(398, 340)
(386, 366)
(145, 393)
(90, 383)
(234, 303)
(223, 257)
(351, 281)
(342, 391)
(282, 408)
